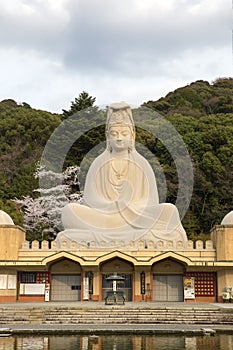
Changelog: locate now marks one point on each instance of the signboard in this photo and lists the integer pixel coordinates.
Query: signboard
(32, 288)
(189, 290)
(47, 292)
(143, 289)
(85, 288)
(114, 286)
(3, 281)
(11, 282)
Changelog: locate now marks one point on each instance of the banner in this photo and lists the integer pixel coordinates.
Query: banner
(85, 288)
(189, 289)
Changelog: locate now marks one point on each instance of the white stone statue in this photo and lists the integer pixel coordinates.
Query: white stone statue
(120, 195)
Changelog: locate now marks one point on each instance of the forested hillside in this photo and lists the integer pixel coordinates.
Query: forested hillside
(24, 132)
(197, 99)
(201, 112)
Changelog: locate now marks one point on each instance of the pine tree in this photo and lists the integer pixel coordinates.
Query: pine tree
(84, 101)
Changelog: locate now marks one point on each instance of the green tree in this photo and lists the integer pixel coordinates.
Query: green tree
(7, 104)
(11, 209)
(24, 132)
(201, 112)
(197, 99)
(83, 102)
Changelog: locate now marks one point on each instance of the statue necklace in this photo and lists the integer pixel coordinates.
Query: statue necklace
(120, 168)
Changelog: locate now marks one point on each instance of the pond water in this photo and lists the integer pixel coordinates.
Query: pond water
(118, 342)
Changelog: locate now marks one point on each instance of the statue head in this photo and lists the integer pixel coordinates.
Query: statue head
(120, 114)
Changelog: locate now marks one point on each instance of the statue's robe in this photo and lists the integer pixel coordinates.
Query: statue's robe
(121, 203)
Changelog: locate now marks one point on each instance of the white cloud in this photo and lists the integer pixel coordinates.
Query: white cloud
(51, 50)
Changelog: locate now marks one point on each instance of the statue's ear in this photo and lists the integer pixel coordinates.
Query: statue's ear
(108, 147)
(133, 133)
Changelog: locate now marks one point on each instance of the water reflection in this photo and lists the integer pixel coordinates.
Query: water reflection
(118, 342)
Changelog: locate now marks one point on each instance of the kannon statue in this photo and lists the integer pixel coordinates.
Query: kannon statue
(121, 201)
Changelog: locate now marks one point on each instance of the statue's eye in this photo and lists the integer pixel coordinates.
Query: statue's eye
(125, 133)
(113, 133)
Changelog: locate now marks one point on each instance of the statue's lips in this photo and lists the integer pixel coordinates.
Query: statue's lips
(119, 143)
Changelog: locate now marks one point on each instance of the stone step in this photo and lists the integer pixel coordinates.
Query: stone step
(119, 314)
(131, 313)
(145, 320)
(134, 316)
(140, 322)
(91, 315)
(115, 315)
(141, 319)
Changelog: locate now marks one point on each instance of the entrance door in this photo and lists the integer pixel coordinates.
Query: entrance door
(66, 288)
(168, 288)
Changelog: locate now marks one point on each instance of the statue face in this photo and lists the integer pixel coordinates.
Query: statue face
(119, 137)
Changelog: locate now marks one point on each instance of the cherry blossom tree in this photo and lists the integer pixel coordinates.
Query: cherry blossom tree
(42, 214)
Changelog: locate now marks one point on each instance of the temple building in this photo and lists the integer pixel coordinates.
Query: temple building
(120, 241)
(161, 271)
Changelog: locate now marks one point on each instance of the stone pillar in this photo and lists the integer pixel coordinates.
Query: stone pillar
(97, 284)
(11, 238)
(225, 279)
(137, 283)
(222, 237)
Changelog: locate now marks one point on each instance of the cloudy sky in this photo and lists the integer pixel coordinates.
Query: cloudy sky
(125, 50)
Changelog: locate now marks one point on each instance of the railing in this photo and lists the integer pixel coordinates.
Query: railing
(121, 245)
